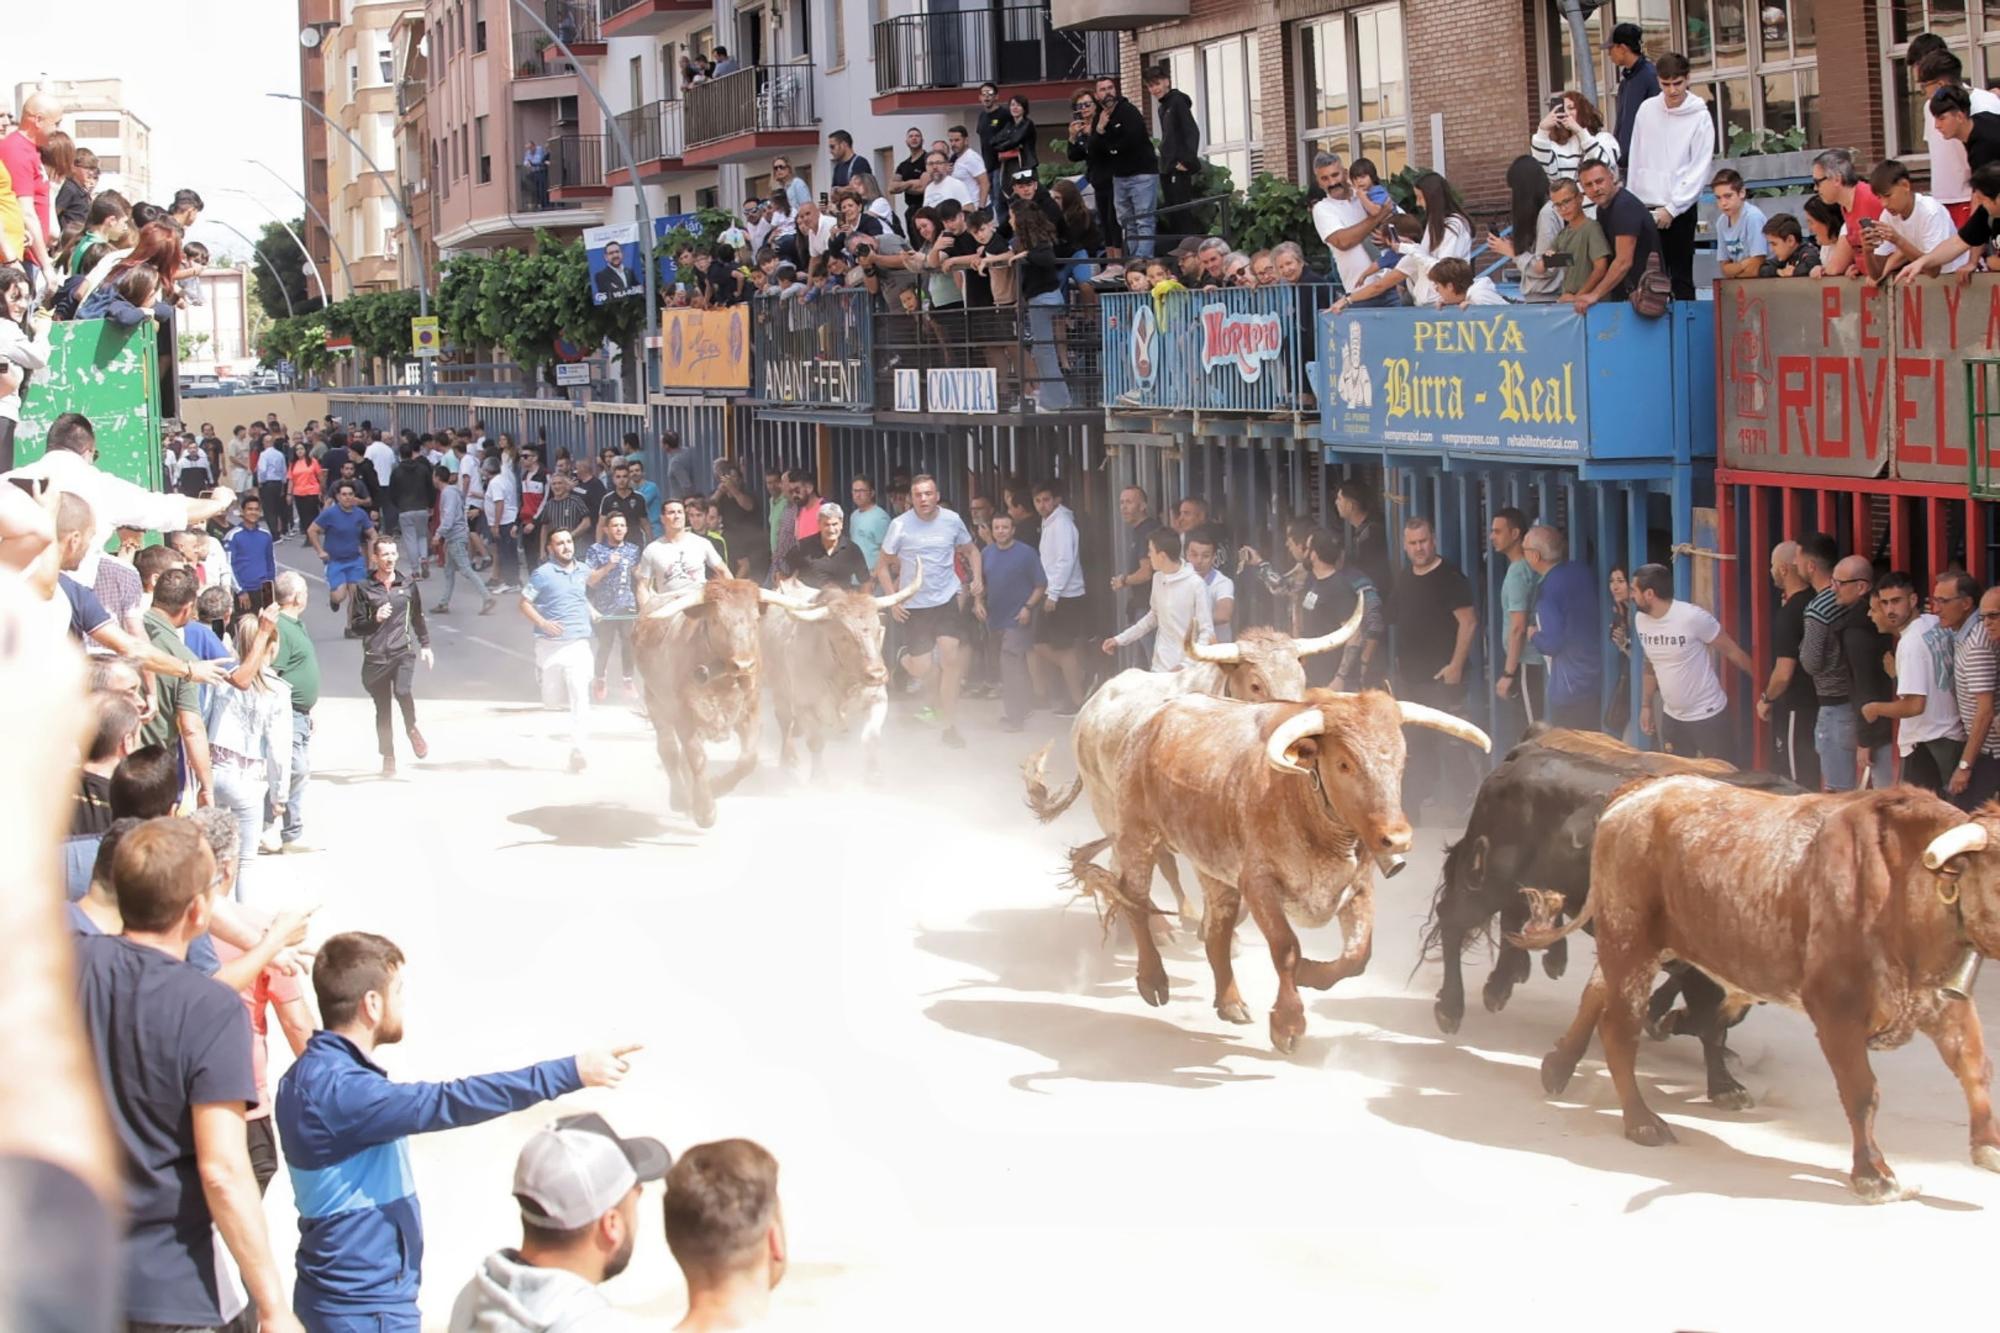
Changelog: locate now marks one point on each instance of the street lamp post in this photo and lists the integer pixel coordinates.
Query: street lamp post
(396, 198)
(312, 267)
(624, 142)
(290, 312)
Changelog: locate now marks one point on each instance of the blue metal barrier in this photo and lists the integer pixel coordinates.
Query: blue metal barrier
(1222, 349)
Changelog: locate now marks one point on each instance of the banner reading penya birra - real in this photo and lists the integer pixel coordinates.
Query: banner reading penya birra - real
(1496, 379)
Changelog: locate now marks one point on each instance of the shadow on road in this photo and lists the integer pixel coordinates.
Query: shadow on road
(600, 825)
(1091, 1046)
(1037, 951)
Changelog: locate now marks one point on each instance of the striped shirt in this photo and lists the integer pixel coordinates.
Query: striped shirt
(1974, 673)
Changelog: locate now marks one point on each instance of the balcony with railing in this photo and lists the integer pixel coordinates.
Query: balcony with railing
(410, 94)
(576, 168)
(658, 134)
(750, 112)
(536, 57)
(644, 18)
(931, 61)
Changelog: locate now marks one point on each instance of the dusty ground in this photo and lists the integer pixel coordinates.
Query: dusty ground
(981, 1125)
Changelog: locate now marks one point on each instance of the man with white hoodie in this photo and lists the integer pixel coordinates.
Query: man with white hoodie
(1179, 602)
(1673, 145)
(578, 1187)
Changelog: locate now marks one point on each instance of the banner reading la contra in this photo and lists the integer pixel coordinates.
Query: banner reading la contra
(1508, 379)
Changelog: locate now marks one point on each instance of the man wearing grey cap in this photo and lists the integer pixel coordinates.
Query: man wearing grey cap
(578, 1186)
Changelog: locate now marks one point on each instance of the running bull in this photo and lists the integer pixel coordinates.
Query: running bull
(698, 663)
(1867, 910)
(824, 657)
(1286, 808)
(1261, 666)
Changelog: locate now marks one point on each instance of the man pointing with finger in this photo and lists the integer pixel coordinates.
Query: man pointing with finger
(345, 1128)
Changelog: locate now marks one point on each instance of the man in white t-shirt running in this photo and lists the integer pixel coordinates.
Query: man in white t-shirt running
(1343, 220)
(677, 562)
(1680, 641)
(1929, 735)
(932, 619)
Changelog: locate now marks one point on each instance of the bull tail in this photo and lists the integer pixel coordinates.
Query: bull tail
(1045, 803)
(1542, 939)
(1103, 887)
(1462, 860)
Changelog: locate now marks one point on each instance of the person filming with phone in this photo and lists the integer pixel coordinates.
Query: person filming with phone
(1579, 251)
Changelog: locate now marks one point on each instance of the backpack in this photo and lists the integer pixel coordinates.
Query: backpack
(1654, 291)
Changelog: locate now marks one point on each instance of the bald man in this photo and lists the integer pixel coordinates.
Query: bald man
(1853, 642)
(1788, 701)
(21, 160)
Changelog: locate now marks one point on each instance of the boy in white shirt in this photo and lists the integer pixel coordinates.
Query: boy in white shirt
(1911, 224)
(1179, 600)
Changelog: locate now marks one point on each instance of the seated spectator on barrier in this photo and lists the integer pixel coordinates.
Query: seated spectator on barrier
(1739, 227)
(726, 1230)
(1629, 228)
(1788, 253)
(1823, 224)
(1910, 227)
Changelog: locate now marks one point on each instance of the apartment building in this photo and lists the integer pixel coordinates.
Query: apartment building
(360, 95)
(96, 117)
(408, 43)
(216, 332)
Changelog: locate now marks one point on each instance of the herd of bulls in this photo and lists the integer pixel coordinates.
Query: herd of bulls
(1869, 910)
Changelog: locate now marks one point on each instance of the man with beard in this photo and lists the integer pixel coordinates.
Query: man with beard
(578, 1186)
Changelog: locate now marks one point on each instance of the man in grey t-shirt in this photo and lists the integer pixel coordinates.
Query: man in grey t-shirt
(932, 619)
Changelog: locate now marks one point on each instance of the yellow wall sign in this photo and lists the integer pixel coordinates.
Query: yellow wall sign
(706, 349)
(424, 337)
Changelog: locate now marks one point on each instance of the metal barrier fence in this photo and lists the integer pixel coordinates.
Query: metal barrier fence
(817, 353)
(1007, 46)
(1042, 357)
(1224, 349)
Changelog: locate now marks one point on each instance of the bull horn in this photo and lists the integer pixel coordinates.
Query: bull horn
(1955, 841)
(1222, 654)
(687, 601)
(1416, 715)
(901, 595)
(1278, 750)
(1328, 642)
(798, 607)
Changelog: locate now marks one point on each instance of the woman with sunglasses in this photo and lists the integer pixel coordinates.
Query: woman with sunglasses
(1084, 147)
(783, 181)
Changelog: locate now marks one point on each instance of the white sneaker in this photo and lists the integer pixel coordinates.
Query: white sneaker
(273, 841)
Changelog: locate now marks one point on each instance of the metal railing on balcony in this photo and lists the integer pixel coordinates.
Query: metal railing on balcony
(536, 57)
(965, 48)
(755, 98)
(575, 21)
(1222, 349)
(531, 191)
(657, 130)
(409, 92)
(577, 160)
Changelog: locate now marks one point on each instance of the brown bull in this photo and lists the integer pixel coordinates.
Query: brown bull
(1855, 907)
(1283, 807)
(824, 659)
(698, 663)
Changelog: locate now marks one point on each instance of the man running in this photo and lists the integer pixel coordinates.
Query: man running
(611, 562)
(932, 619)
(557, 602)
(388, 616)
(679, 561)
(337, 537)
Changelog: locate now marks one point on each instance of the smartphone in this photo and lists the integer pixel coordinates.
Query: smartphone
(1558, 259)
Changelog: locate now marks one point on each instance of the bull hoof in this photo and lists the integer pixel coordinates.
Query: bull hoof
(1733, 1099)
(1235, 1011)
(704, 816)
(1986, 1156)
(1556, 1072)
(1287, 1026)
(1496, 993)
(1153, 990)
(1879, 1189)
(1555, 964)
(1650, 1133)
(1448, 1015)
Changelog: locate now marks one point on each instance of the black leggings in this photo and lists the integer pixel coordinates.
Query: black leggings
(381, 680)
(308, 507)
(276, 515)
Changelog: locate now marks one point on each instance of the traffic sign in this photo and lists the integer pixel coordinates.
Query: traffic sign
(424, 339)
(575, 373)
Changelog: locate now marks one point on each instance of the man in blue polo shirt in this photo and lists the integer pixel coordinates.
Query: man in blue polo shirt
(557, 601)
(345, 1126)
(338, 535)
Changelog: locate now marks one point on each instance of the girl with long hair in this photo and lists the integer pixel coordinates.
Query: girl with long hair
(1535, 224)
(1571, 137)
(24, 342)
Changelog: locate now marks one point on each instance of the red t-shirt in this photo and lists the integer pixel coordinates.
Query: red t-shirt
(808, 524)
(1866, 208)
(23, 162)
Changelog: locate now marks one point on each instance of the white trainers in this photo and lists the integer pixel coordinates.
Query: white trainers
(273, 841)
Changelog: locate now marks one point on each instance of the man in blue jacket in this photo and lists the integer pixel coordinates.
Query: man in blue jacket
(1636, 82)
(345, 1128)
(1569, 631)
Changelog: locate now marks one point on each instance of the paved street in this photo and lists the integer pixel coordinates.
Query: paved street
(980, 1123)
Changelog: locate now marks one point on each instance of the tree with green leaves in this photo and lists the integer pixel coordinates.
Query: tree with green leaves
(278, 250)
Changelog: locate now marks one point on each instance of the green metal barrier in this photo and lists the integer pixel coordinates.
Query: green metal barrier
(112, 376)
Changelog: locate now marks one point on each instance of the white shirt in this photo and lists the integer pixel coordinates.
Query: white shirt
(1178, 601)
(1221, 588)
(502, 493)
(969, 166)
(1951, 174)
(1927, 227)
(951, 187)
(1331, 215)
(1677, 648)
(382, 458)
(1923, 663)
(1059, 562)
(114, 503)
(820, 237)
(670, 568)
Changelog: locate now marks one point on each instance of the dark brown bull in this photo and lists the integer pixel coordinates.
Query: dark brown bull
(698, 664)
(1285, 807)
(1857, 908)
(824, 660)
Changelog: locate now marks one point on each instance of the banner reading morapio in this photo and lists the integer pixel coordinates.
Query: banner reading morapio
(1497, 379)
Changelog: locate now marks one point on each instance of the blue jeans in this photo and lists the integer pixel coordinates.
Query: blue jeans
(1051, 390)
(458, 556)
(291, 803)
(1837, 739)
(240, 789)
(391, 1321)
(1137, 197)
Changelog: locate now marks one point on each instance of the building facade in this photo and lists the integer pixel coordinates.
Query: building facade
(96, 117)
(215, 333)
